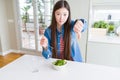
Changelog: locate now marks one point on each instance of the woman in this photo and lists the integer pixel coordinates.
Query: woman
(60, 38)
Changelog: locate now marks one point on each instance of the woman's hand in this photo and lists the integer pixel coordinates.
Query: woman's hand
(44, 42)
(78, 28)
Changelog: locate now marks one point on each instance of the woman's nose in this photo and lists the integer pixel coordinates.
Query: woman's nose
(61, 17)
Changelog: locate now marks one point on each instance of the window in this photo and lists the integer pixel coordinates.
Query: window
(107, 15)
(32, 16)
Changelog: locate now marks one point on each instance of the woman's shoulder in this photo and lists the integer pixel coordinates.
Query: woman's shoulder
(72, 22)
(48, 29)
(81, 19)
(47, 32)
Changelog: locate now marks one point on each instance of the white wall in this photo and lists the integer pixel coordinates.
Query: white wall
(0, 47)
(4, 32)
(11, 24)
(105, 1)
(7, 27)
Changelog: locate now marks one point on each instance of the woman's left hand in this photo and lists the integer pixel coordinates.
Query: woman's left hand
(78, 28)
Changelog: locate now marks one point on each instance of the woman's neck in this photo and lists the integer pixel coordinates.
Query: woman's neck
(59, 28)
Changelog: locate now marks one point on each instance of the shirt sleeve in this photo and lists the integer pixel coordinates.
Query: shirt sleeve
(47, 53)
(84, 24)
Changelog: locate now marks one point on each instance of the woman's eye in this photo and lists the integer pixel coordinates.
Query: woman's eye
(65, 14)
(58, 14)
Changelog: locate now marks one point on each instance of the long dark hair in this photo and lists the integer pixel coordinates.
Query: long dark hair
(67, 28)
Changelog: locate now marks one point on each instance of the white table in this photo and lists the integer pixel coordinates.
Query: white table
(21, 69)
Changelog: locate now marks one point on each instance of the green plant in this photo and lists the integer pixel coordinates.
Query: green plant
(111, 29)
(60, 62)
(25, 16)
(41, 12)
(44, 26)
(100, 24)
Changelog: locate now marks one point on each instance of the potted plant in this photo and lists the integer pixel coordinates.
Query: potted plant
(100, 24)
(110, 30)
(99, 28)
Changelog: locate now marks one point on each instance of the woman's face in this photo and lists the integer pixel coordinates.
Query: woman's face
(61, 16)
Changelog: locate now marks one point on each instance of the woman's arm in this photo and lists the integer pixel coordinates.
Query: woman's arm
(47, 53)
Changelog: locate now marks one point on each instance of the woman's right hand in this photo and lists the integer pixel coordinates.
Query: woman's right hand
(44, 42)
